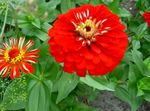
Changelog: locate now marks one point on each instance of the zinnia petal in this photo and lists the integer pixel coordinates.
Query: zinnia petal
(4, 70)
(15, 72)
(14, 56)
(26, 67)
(88, 39)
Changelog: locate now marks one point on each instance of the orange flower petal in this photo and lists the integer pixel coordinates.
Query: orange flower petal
(34, 51)
(32, 60)
(15, 72)
(32, 55)
(21, 42)
(28, 45)
(4, 70)
(14, 56)
(26, 67)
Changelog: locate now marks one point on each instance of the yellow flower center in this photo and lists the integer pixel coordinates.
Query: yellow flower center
(87, 29)
(14, 55)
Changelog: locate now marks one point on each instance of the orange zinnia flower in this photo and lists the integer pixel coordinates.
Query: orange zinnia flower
(88, 38)
(15, 57)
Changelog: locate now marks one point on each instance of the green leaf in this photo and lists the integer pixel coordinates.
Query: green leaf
(147, 38)
(44, 49)
(53, 106)
(96, 84)
(132, 76)
(123, 94)
(114, 6)
(119, 73)
(42, 35)
(140, 30)
(39, 96)
(107, 1)
(53, 3)
(128, 97)
(143, 4)
(136, 44)
(94, 2)
(66, 5)
(136, 56)
(45, 26)
(124, 12)
(147, 63)
(147, 96)
(71, 103)
(135, 101)
(81, 2)
(36, 23)
(65, 85)
(16, 95)
(144, 84)
(49, 68)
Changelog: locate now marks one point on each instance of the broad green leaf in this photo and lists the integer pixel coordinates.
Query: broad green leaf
(147, 37)
(123, 94)
(94, 2)
(53, 106)
(49, 85)
(42, 35)
(95, 84)
(81, 2)
(119, 74)
(44, 49)
(107, 1)
(49, 68)
(132, 76)
(147, 63)
(140, 92)
(136, 44)
(16, 95)
(66, 84)
(136, 56)
(73, 104)
(114, 6)
(129, 96)
(135, 101)
(140, 30)
(54, 14)
(144, 84)
(46, 26)
(143, 4)
(124, 12)
(66, 5)
(39, 96)
(147, 96)
(53, 3)
(36, 23)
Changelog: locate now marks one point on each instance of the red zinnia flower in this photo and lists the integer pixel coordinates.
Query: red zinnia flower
(146, 16)
(15, 57)
(88, 38)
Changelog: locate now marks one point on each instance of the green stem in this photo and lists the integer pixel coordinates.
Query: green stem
(4, 24)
